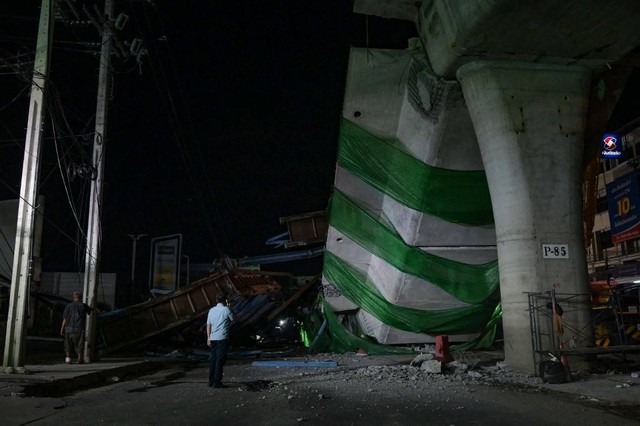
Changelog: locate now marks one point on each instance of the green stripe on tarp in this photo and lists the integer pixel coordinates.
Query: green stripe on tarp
(468, 283)
(354, 286)
(457, 196)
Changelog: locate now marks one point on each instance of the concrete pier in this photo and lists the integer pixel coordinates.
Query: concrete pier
(529, 121)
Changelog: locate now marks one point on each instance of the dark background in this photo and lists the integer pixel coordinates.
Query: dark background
(229, 123)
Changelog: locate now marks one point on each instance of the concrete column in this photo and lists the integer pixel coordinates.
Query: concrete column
(529, 121)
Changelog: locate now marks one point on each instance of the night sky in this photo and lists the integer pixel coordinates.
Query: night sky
(229, 123)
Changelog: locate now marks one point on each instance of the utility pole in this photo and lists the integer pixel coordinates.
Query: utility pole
(15, 342)
(94, 234)
(134, 241)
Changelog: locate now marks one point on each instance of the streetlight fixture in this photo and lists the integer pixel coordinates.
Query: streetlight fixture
(188, 265)
(134, 241)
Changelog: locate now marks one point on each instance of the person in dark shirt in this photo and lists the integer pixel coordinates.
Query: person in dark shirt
(74, 320)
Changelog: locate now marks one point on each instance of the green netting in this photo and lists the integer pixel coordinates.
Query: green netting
(453, 195)
(468, 283)
(486, 338)
(337, 338)
(319, 337)
(354, 285)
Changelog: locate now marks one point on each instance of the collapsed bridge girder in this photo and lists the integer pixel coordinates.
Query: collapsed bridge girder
(132, 325)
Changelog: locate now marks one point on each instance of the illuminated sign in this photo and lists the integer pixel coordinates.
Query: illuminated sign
(611, 146)
(165, 263)
(622, 200)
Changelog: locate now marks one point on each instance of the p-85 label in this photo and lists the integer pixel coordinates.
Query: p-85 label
(555, 251)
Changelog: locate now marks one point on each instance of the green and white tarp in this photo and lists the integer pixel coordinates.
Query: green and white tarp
(469, 291)
(457, 196)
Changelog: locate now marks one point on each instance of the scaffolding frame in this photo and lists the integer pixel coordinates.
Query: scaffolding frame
(546, 341)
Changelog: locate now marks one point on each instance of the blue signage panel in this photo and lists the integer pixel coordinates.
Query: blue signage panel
(623, 202)
(611, 146)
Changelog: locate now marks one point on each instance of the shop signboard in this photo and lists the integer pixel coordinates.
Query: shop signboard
(165, 263)
(623, 201)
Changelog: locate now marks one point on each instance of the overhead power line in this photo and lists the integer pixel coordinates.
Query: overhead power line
(193, 162)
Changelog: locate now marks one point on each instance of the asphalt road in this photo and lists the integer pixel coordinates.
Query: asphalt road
(350, 395)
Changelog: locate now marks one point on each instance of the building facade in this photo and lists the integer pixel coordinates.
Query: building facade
(614, 252)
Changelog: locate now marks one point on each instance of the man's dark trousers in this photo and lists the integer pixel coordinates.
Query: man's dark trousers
(219, 349)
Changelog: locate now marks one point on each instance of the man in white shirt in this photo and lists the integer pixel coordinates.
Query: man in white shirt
(218, 322)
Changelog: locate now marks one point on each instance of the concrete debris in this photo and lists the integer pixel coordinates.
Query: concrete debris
(424, 370)
(457, 367)
(433, 366)
(418, 360)
(422, 374)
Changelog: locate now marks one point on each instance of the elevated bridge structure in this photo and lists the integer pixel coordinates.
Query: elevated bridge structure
(518, 91)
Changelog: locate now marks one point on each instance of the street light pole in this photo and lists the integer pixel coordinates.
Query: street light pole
(188, 266)
(134, 242)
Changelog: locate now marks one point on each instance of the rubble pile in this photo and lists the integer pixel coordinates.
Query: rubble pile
(420, 373)
(431, 371)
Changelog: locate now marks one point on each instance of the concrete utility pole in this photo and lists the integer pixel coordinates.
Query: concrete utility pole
(15, 342)
(94, 235)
